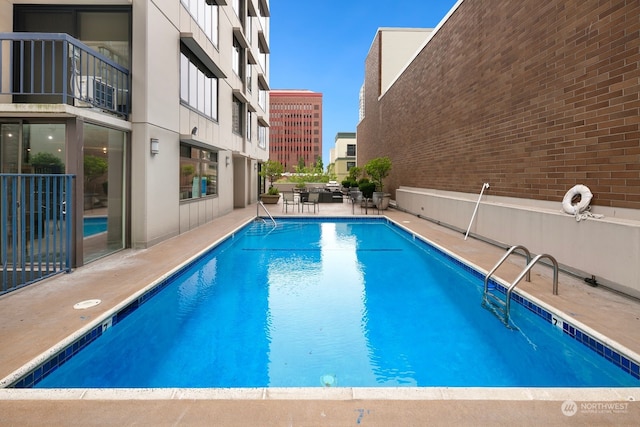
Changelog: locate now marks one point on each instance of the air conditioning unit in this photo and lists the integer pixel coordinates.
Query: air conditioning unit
(96, 92)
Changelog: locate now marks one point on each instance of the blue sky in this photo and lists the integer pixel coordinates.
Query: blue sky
(321, 46)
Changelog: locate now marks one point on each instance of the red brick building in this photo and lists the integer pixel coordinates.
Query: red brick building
(532, 97)
(295, 127)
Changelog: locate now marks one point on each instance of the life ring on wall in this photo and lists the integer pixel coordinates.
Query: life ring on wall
(585, 199)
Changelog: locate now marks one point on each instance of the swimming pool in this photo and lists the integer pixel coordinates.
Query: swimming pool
(335, 303)
(92, 225)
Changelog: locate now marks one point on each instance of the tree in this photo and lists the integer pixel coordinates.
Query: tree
(301, 164)
(94, 167)
(273, 170)
(319, 167)
(354, 174)
(378, 169)
(47, 163)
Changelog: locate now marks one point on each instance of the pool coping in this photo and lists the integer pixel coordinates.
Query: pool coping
(36, 369)
(592, 394)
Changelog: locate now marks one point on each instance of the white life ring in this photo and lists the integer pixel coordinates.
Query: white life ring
(585, 199)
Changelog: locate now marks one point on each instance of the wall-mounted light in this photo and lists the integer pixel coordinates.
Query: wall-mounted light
(155, 146)
(255, 166)
(226, 161)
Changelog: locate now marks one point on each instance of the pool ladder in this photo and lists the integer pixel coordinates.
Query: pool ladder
(502, 307)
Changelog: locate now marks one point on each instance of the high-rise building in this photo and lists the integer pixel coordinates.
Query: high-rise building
(295, 127)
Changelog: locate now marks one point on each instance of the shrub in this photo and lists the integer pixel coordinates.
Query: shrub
(367, 188)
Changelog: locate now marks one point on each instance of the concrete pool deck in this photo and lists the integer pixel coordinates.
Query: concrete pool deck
(38, 317)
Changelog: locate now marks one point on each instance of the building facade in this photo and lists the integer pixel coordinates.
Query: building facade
(343, 155)
(159, 109)
(295, 128)
(533, 98)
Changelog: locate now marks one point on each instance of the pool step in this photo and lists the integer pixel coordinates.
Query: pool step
(497, 306)
(495, 300)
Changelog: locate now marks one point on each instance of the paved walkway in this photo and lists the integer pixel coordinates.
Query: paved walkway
(36, 318)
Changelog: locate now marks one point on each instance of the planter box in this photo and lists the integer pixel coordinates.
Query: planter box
(269, 199)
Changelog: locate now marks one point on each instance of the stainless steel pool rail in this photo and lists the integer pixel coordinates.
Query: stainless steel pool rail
(494, 302)
(265, 209)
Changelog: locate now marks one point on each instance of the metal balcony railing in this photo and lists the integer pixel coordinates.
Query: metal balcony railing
(51, 68)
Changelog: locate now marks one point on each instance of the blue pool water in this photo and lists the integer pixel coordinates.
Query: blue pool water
(335, 303)
(94, 225)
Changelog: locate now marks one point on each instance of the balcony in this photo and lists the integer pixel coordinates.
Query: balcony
(54, 68)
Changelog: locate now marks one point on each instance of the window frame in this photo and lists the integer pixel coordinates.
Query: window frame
(205, 170)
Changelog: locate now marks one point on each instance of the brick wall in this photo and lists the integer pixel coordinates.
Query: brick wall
(532, 96)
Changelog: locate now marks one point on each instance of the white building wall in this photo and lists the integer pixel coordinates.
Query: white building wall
(542, 227)
(398, 47)
(156, 211)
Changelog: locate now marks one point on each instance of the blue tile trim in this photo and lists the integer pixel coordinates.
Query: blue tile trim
(46, 368)
(39, 373)
(629, 366)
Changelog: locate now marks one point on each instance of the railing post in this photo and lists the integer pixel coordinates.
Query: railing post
(65, 67)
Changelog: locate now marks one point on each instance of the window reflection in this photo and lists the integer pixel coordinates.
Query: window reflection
(198, 172)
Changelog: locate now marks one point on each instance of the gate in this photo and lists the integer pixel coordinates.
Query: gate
(36, 219)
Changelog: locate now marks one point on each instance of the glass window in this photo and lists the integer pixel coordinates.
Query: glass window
(198, 172)
(201, 91)
(197, 89)
(206, 16)
(237, 116)
(262, 137)
(351, 149)
(104, 190)
(184, 77)
(235, 57)
(249, 120)
(193, 85)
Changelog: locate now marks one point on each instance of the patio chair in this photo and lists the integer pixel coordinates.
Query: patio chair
(312, 200)
(356, 198)
(289, 199)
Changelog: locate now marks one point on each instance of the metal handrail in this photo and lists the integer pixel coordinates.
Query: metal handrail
(503, 259)
(265, 209)
(526, 271)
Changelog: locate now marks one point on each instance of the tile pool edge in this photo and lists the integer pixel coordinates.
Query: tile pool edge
(41, 366)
